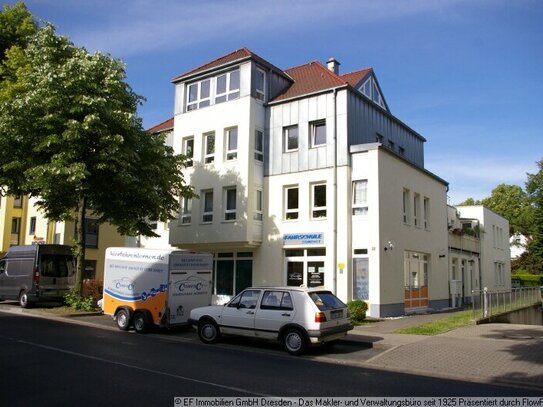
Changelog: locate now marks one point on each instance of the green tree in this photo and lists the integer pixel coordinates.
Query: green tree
(468, 202)
(534, 187)
(70, 136)
(16, 27)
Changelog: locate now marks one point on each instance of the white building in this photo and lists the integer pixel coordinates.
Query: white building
(305, 177)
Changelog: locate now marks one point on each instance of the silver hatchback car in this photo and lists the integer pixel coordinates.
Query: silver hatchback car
(295, 316)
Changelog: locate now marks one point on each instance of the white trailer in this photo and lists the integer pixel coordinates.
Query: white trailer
(145, 287)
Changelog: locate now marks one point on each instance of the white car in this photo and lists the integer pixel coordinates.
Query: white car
(296, 316)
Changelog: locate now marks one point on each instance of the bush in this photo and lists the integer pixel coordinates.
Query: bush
(74, 300)
(357, 309)
(528, 280)
(93, 288)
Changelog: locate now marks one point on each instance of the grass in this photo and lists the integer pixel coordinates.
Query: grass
(59, 310)
(439, 326)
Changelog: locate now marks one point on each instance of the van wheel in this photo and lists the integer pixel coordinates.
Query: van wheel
(295, 341)
(141, 322)
(123, 319)
(208, 331)
(23, 300)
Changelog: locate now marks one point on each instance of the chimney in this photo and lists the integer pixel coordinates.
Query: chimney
(333, 65)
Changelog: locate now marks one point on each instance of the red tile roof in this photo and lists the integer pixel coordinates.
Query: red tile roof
(310, 78)
(354, 78)
(165, 125)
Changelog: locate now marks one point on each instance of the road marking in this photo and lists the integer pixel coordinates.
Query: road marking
(143, 369)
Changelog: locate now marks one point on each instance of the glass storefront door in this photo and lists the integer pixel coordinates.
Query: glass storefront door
(415, 280)
(305, 267)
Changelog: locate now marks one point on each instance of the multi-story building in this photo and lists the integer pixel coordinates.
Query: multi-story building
(304, 176)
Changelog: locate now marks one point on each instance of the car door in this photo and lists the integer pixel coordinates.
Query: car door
(238, 316)
(274, 311)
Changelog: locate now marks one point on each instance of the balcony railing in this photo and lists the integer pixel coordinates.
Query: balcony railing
(488, 303)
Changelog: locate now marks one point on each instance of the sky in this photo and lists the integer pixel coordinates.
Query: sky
(466, 74)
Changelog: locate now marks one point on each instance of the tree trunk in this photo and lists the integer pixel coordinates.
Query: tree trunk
(79, 244)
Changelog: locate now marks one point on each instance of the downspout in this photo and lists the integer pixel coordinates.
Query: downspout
(334, 260)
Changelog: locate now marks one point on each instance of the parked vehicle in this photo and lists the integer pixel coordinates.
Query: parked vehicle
(36, 273)
(146, 287)
(295, 316)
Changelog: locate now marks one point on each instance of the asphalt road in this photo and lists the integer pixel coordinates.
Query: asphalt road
(51, 363)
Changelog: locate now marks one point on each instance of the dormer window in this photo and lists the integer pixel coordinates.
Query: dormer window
(371, 90)
(227, 86)
(214, 90)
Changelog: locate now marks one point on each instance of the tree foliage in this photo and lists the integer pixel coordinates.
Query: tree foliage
(70, 136)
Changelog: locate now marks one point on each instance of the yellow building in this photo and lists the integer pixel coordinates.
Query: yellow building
(22, 223)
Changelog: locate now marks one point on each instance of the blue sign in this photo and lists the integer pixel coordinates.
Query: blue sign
(303, 238)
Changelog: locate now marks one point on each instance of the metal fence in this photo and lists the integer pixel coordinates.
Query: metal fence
(487, 303)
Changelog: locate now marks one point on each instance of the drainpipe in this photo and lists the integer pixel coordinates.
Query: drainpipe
(335, 194)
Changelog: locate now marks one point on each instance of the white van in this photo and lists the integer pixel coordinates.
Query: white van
(146, 287)
(36, 273)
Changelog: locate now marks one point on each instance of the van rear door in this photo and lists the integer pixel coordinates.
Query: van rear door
(56, 272)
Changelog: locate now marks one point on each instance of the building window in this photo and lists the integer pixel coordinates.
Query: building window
(391, 144)
(406, 205)
(360, 197)
(233, 272)
(379, 138)
(416, 210)
(259, 145)
(258, 205)
(209, 143)
(305, 266)
(290, 135)
(230, 204)
(15, 230)
(188, 150)
(32, 228)
(154, 225)
(318, 133)
(401, 151)
(227, 87)
(18, 201)
(207, 206)
(92, 226)
(186, 209)
(291, 203)
(426, 213)
(318, 207)
(199, 95)
(260, 84)
(231, 135)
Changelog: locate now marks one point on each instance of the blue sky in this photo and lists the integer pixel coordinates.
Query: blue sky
(466, 74)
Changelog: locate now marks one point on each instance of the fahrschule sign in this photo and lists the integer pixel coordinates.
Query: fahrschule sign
(303, 238)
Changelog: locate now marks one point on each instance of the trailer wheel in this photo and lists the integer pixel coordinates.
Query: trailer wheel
(23, 300)
(208, 331)
(141, 322)
(123, 319)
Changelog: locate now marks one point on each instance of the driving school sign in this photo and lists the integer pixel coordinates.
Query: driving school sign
(303, 238)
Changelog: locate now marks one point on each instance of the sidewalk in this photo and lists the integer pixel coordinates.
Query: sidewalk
(490, 353)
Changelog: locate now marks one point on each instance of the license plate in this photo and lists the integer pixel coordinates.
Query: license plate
(336, 314)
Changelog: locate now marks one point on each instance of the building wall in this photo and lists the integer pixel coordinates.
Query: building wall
(8, 211)
(495, 251)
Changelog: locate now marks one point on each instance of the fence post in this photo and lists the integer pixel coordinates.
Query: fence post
(485, 302)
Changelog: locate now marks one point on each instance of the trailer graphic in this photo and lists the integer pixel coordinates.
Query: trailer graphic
(145, 287)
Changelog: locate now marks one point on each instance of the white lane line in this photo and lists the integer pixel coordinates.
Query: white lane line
(143, 369)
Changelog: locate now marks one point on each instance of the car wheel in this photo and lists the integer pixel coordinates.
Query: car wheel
(295, 341)
(141, 322)
(123, 319)
(23, 300)
(208, 331)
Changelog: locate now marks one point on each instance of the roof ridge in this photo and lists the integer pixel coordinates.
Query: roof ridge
(369, 68)
(160, 124)
(320, 65)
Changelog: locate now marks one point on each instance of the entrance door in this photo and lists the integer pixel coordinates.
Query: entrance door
(415, 281)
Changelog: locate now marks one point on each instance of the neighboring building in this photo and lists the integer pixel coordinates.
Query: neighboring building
(494, 267)
(305, 177)
(13, 221)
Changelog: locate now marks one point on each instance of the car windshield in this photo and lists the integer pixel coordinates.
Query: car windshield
(325, 300)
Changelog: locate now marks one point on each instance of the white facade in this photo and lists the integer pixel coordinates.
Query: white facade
(322, 186)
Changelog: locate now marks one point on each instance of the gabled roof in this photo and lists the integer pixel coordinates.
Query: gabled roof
(310, 78)
(229, 59)
(355, 78)
(165, 125)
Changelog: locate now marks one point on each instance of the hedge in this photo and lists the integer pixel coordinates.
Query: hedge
(528, 280)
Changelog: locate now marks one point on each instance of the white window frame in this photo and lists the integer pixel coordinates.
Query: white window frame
(318, 212)
(209, 157)
(258, 215)
(291, 214)
(188, 154)
(199, 101)
(416, 210)
(231, 154)
(406, 206)
(259, 142)
(230, 212)
(313, 132)
(229, 92)
(260, 94)
(426, 212)
(207, 213)
(360, 203)
(186, 211)
(286, 132)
